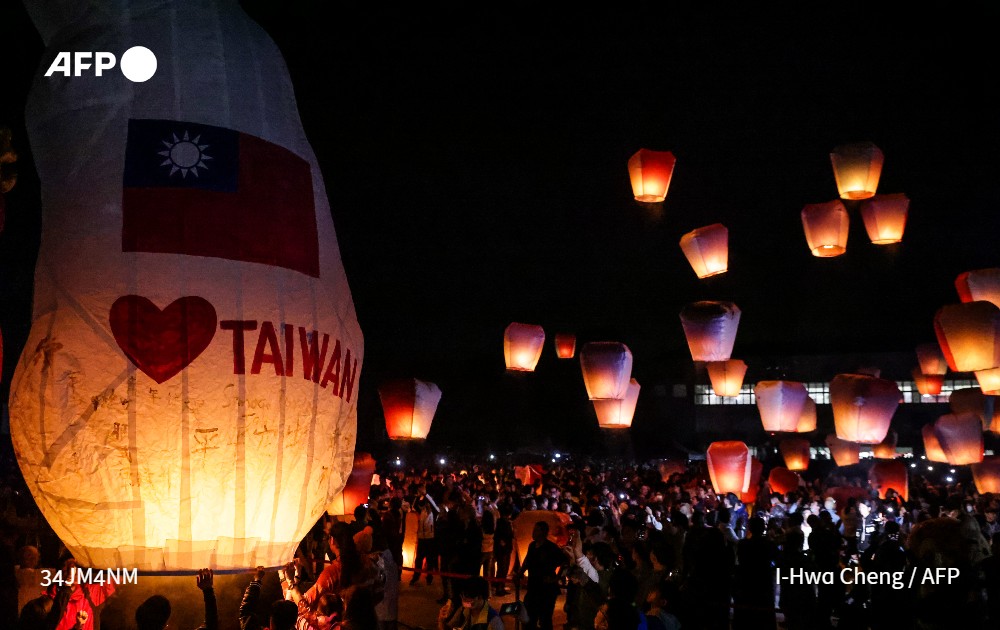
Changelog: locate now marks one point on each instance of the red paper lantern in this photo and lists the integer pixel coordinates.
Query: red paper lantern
(890, 474)
(927, 384)
(607, 368)
(707, 250)
(969, 335)
(617, 414)
(844, 453)
(932, 448)
(886, 449)
(795, 451)
(750, 496)
(727, 376)
(783, 480)
(826, 226)
(781, 404)
(960, 437)
(980, 285)
(710, 329)
(565, 345)
(986, 474)
(885, 217)
(807, 421)
(863, 407)
(931, 360)
(650, 172)
(358, 487)
(729, 467)
(408, 405)
(857, 168)
(522, 346)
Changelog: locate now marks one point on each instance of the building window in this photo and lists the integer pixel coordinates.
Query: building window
(820, 392)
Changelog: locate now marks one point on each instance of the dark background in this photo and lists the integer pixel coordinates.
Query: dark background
(476, 165)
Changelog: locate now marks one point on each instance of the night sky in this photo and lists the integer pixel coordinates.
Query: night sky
(475, 161)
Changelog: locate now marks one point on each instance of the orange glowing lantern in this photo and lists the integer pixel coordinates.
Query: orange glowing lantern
(565, 345)
(960, 437)
(863, 407)
(980, 285)
(972, 400)
(927, 384)
(989, 381)
(408, 405)
(617, 414)
(826, 226)
(710, 329)
(844, 453)
(522, 346)
(795, 451)
(607, 368)
(781, 404)
(756, 469)
(807, 421)
(932, 448)
(356, 490)
(783, 480)
(889, 474)
(885, 217)
(650, 172)
(969, 335)
(707, 250)
(986, 474)
(886, 449)
(729, 467)
(857, 168)
(558, 523)
(727, 376)
(931, 359)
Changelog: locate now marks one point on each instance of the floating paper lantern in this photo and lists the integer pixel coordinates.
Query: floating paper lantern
(807, 421)
(932, 448)
(960, 437)
(885, 217)
(750, 496)
(607, 368)
(524, 524)
(729, 467)
(357, 488)
(409, 406)
(781, 404)
(982, 285)
(886, 449)
(844, 453)
(187, 393)
(522, 346)
(565, 345)
(863, 407)
(710, 329)
(795, 451)
(857, 168)
(972, 400)
(989, 381)
(889, 474)
(707, 250)
(783, 480)
(727, 377)
(969, 335)
(927, 384)
(931, 360)
(650, 172)
(826, 226)
(986, 474)
(617, 414)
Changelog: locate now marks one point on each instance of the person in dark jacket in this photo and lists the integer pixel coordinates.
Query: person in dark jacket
(284, 613)
(541, 563)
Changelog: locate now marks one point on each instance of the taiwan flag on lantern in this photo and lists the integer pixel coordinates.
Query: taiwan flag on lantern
(210, 191)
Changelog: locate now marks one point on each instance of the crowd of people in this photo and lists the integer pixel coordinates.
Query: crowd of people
(643, 547)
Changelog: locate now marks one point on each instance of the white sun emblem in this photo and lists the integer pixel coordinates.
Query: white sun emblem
(184, 155)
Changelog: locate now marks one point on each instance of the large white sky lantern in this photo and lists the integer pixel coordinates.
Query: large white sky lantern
(781, 404)
(857, 168)
(522, 346)
(863, 407)
(969, 335)
(187, 393)
(979, 285)
(826, 226)
(707, 250)
(607, 369)
(710, 329)
(617, 414)
(885, 217)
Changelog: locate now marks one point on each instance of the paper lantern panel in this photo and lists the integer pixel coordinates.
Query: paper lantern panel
(826, 226)
(565, 345)
(710, 329)
(617, 414)
(982, 285)
(885, 217)
(607, 369)
(409, 406)
(650, 172)
(863, 407)
(857, 168)
(781, 404)
(727, 377)
(729, 467)
(522, 346)
(969, 335)
(707, 250)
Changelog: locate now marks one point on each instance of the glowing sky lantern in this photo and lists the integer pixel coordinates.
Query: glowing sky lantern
(650, 172)
(931, 359)
(885, 217)
(783, 480)
(927, 384)
(890, 474)
(826, 226)
(932, 448)
(807, 421)
(565, 345)
(844, 453)
(710, 329)
(727, 376)
(607, 369)
(781, 404)
(973, 400)
(989, 381)
(522, 346)
(986, 474)
(795, 452)
(863, 407)
(960, 437)
(750, 496)
(408, 405)
(707, 250)
(886, 449)
(857, 168)
(558, 523)
(969, 335)
(617, 414)
(356, 490)
(189, 280)
(729, 466)
(980, 285)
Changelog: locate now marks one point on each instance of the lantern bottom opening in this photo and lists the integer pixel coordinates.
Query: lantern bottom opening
(650, 198)
(857, 194)
(828, 251)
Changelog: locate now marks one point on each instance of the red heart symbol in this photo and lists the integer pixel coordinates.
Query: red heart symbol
(162, 343)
